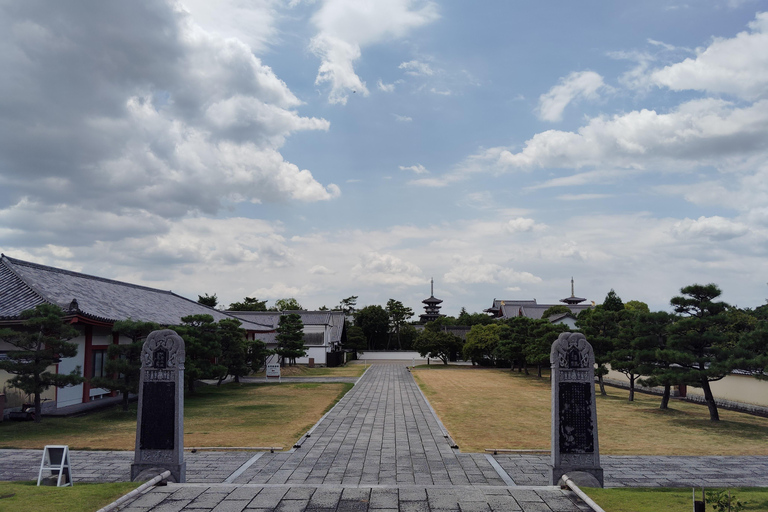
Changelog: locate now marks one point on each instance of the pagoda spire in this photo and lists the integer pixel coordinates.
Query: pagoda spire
(431, 305)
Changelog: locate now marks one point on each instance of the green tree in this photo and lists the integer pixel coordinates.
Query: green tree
(482, 342)
(201, 342)
(408, 335)
(398, 316)
(698, 343)
(208, 300)
(249, 304)
(348, 305)
(751, 351)
(613, 302)
(41, 343)
(627, 357)
(234, 358)
(636, 305)
(558, 309)
(290, 338)
(124, 364)
(355, 340)
(470, 319)
(652, 331)
(289, 304)
(374, 321)
(537, 350)
(437, 344)
(601, 327)
(512, 343)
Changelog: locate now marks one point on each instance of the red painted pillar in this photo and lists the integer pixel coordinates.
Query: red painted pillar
(87, 363)
(115, 341)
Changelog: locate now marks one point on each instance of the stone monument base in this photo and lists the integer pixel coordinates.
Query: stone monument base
(147, 471)
(587, 477)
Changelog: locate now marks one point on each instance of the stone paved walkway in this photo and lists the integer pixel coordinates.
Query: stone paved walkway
(382, 448)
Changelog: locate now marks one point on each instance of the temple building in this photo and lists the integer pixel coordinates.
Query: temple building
(530, 308)
(431, 306)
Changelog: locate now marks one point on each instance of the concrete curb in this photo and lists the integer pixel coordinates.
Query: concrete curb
(134, 493)
(434, 414)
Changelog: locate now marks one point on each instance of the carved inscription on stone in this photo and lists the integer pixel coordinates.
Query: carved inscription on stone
(575, 418)
(159, 415)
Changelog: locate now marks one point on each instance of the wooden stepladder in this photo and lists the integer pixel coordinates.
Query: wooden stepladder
(56, 460)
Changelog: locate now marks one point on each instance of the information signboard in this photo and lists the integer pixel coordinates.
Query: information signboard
(273, 370)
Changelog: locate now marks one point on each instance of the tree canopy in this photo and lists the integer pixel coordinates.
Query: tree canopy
(41, 343)
(249, 304)
(290, 338)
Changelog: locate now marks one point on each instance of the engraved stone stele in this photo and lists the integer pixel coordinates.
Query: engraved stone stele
(574, 416)
(160, 422)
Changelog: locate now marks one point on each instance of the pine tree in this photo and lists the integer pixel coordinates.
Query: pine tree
(201, 341)
(698, 344)
(41, 344)
(124, 364)
(290, 338)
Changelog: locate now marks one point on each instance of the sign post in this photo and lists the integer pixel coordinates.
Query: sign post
(273, 370)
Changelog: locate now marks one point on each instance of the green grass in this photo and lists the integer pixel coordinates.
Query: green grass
(230, 415)
(669, 500)
(28, 497)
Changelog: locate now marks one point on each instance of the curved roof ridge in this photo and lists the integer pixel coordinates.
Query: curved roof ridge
(6, 260)
(80, 274)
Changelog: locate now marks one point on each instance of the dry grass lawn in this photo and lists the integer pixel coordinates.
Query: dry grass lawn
(488, 408)
(231, 415)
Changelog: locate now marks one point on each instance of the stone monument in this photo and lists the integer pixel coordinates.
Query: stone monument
(574, 418)
(160, 423)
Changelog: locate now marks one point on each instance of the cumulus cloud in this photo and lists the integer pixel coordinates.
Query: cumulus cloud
(715, 228)
(707, 131)
(135, 110)
(522, 225)
(386, 269)
(584, 84)
(737, 66)
(475, 271)
(346, 26)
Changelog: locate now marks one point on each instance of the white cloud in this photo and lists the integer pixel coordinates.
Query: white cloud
(475, 271)
(737, 66)
(418, 169)
(402, 119)
(582, 197)
(386, 269)
(385, 87)
(440, 92)
(416, 68)
(145, 114)
(321, 270)
(715, 228)
(584, 84)
(701, 132)
(252, 22)
(346, 26)
(522, 224)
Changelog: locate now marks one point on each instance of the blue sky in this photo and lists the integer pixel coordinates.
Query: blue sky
(322, 149)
